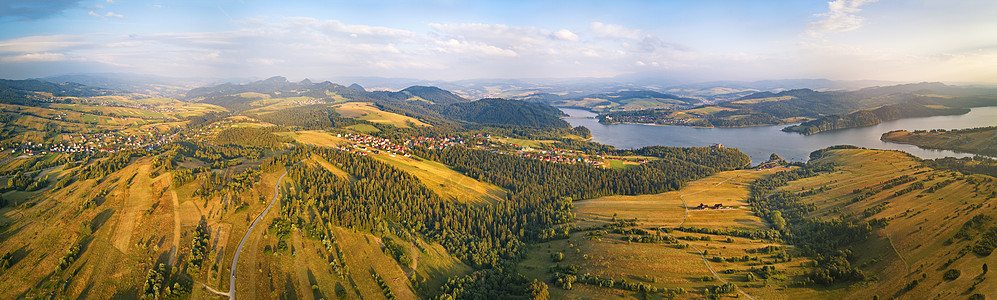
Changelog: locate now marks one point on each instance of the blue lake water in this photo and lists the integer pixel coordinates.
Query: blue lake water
(760, 141)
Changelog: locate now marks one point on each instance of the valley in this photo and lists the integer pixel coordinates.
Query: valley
(513, 150)
(277, 189)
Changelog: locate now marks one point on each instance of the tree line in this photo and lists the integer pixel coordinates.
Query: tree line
(826, 241)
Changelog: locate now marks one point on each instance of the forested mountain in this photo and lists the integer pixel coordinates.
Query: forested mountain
(433, 94)
(135, 83)
(791, 106)
(20, 90)
(423, 102)
(270, 85)
(504, 112)
(871, 117)
(810, 103)
(357, 87)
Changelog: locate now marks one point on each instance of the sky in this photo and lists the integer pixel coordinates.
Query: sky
(896, 40)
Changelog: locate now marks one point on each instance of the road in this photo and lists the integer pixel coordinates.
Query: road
(235, 260)
(706, 261)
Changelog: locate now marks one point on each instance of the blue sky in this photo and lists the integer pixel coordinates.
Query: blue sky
(896, 40)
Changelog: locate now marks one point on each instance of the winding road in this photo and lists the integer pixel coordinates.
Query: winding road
(235, 260)
(706, 261)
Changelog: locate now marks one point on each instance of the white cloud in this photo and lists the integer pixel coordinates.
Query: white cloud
(114, 15)
(42, 43)
(842, 15)
(613, 31)
(495, 34)
(565, 35)
(474, 48)
(93, 14)
(36, 57)
(633, 40)
(314, 48)
(335, 26)
(265, 61)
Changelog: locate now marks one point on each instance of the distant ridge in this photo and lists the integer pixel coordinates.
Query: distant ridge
(423, 102)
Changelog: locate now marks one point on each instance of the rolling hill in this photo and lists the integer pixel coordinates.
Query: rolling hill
(982, 140)
(801, 105)
(421, 102)
(871, 117)
(419, 194)
(627, 101)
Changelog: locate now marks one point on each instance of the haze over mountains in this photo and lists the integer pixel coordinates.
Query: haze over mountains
(484, 88)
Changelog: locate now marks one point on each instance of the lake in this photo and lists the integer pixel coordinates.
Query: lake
(760, 141)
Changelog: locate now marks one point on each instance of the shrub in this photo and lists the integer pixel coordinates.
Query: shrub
(951, 274)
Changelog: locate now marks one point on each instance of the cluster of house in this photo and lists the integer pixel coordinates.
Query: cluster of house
(639, 160)
(662, 120)
(363, 141)
(434, 143)
(97, 142)
(308, 102)
(159, 109)
(362, 144)
(543, 156)
(715, 206)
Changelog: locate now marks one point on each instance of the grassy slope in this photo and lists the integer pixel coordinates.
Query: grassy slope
(448, 183)
(983, 142)
(365, 111)
(921, 222)
(111, 257)
(144, 221)
(671, 268)
(134, 231)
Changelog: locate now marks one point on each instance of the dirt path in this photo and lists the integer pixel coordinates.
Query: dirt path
(895, 250)
(703, 256)
(216, 292)
(176, 227)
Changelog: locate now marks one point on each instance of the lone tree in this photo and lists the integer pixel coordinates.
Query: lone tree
(538, 290)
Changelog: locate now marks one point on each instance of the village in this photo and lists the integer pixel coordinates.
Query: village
(645, 119)
(97, 142)
(363, 143)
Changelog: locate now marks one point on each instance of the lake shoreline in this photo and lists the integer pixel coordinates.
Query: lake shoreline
(759, 142)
